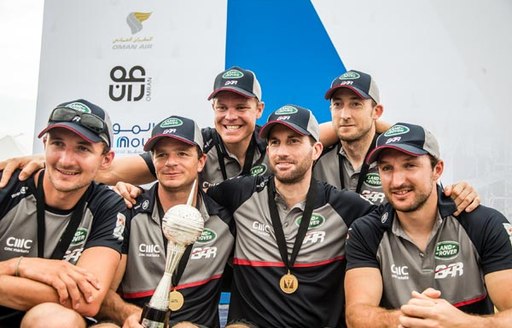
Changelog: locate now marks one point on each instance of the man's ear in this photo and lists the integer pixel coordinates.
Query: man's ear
(438, 170)
(377, 111)
(317, 150)
(107, 160)
(260, 108)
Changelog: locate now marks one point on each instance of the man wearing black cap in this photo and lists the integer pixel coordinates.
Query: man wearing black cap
(414, 262)
(288, 261)
(355, 108)
(61, 233)
(176, 149)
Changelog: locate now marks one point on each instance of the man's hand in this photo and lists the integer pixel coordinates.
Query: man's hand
(464, 195)
(129, 192)
(28, 164)
(428, 310)
(133, 321)
(70, 281)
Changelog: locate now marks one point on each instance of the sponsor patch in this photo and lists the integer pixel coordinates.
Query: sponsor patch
(372, 180)
(286, 110)
(208, 235)
(80, 236)
(171, 123)
(316, 221)
(258, 170)
(396, 130)
(446, 250)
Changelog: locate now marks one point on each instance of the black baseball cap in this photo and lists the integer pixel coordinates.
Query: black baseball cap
(297, 118)
(238, 80)
(408, 138)
(84, 118)
(176, 127)
(359, 82)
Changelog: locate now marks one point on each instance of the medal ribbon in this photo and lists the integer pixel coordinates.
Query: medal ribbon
(278, 227)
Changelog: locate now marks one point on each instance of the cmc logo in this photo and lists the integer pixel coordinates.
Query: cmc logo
(132, 84)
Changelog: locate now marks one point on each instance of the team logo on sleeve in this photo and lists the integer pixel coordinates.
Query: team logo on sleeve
(120, 224)
(508, 228)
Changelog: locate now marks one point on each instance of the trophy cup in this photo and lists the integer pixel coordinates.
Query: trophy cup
(181, 225)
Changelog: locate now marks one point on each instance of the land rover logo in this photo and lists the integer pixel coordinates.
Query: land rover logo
(171, 123)
(78, 106)
(446, 250)
(258, 170)
(232, 74)
(316, 221)
(350, 76)
(373, 179)
(396, 131)
(79, 237)
(207, 236)
(286, 110)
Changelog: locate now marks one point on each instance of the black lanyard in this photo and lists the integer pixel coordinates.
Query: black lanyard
(278, 227)
(364, 168)
(184, 259)
(67, 236)
(249, 157)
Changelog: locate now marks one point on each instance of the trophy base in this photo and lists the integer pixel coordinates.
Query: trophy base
(154, 318)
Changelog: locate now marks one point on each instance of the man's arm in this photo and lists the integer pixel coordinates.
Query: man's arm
(132, 169)
(43, 280)
(422, 310)
(114, 307)
(363, 292)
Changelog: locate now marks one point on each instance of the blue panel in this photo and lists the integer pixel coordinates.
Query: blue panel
(286, 45)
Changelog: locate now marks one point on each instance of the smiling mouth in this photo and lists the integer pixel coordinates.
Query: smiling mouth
(65, 172)
(232, 127)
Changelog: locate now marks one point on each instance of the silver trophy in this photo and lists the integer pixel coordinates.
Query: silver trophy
(182, 225)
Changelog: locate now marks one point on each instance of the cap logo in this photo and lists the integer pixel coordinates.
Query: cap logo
(78, 106)
(286, 110)
(346, 83)
(171, 122)
(232, 74)
(396, 131)
(350, 76)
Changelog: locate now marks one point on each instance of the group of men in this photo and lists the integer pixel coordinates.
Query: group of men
(281, 209)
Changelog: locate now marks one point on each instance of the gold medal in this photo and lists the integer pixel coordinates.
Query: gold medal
(289, 283)
(176, 300)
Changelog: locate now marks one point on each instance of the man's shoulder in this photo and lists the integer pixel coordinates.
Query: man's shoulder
(102, 197)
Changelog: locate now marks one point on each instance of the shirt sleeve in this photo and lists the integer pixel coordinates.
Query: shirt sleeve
(149, 162)
(363, 240)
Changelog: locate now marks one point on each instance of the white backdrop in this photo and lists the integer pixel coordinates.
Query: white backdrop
(441, 64)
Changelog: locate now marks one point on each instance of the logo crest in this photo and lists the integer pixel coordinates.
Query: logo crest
(232, 74)
(171, 122)
(80, 236)
(396, 131)
(208, 235)
(286, 110)
(80, 107)
(446, 250)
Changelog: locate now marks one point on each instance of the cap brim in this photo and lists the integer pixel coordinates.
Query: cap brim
(153, 140)
(238, 91)
(360, 93)
(77, 129)
(407, 149)
(265, 129)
